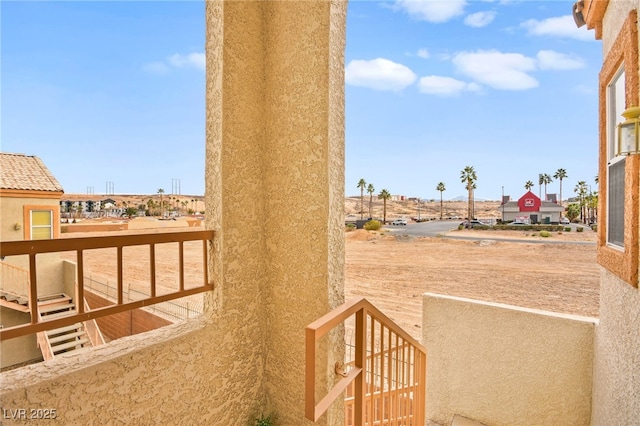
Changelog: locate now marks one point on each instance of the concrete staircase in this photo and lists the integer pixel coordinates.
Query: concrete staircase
(14, 301)
(64, 339)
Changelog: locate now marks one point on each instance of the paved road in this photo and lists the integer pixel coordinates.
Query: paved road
(440, 228)
(425, 229)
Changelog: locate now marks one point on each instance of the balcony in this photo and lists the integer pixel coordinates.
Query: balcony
(59, 311)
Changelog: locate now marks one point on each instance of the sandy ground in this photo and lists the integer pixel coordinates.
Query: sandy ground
(393, 270)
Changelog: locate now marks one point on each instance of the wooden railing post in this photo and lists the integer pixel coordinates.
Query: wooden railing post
(360, 361)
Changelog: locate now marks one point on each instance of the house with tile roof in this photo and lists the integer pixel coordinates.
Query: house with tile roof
(29, 210)
(30, 196)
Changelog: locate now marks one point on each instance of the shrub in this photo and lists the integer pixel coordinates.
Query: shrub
(545, 234)
(460, 227)
(579, 229)
(594, 227)
(266, 421)
(567, 229)
(350, 227)
(372, 225)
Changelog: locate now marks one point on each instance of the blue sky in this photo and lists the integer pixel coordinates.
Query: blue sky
(114, 92)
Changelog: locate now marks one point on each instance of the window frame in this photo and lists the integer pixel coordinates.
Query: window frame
(623, 55)
(28, 219)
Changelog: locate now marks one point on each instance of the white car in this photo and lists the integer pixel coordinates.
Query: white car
(565, 221)
(399, 222)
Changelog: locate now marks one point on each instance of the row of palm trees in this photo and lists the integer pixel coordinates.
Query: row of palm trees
(468, 177)
(545, 179)
(151, 204)
(384, 195)
(588, 200)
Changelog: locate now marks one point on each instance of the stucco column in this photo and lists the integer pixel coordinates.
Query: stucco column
(275, 184)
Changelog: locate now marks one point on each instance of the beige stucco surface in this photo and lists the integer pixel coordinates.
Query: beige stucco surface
(616, 391)
(49, 265)
(504, 365)
(274, 196)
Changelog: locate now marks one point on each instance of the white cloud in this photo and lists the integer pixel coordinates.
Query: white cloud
(156, 68)
(560, 26)
(503, 71)
(551, 60)
(433, 10)
(192, 60)
(480, 19)
(423, 53)
(445, 86)
(379, 74)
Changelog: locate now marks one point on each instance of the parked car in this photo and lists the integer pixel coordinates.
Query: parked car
(565, 221)
(472, 224)
(399, 222)
(517, 223)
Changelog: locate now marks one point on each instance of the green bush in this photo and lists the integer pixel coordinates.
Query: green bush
(567, 229)
(373, 225)
(350, 227)
(266, 420)
(594, 227)
(545, 234)
(579, 229)
(460, 227)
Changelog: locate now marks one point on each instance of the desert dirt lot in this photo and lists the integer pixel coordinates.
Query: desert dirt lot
(393, 270)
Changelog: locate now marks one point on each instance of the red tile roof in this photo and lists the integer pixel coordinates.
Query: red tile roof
(26, 173)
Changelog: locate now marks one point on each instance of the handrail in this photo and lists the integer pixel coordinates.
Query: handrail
(15, 280)
(35, 247)
(403, 349)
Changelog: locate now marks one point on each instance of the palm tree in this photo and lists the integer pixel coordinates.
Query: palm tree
(545, 180)
(581, 190)
(560, 174)
(384, 195)
(540, 180)
(528, 185)
(161, 191)
(362, 184)
(370, 190)
(468, 177)
(441, 188)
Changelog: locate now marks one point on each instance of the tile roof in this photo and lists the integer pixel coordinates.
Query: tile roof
(26, 172)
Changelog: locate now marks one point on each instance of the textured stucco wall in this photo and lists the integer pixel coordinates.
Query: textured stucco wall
(22, 349)
(49, 265)
(616, 390)
(275, 167)
(504, 365)
(274, 196)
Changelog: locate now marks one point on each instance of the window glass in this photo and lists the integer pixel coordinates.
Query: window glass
(616, 164)
(41, 224)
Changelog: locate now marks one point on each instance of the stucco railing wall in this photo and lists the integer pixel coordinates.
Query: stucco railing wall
(506, 365)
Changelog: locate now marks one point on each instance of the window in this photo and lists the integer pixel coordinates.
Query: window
(619, 210)
(615, 164)
(41, 224)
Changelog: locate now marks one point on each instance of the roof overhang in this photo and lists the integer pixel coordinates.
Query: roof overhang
(24, 193)
(592, 14)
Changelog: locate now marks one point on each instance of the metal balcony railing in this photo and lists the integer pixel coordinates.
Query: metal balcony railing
(79, 245)
(384, 383)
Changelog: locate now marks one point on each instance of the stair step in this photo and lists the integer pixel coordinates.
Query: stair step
(53, 298)
(56, 315)
(63, 329)
(64, 337)
(59, 348)
(53, 308)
